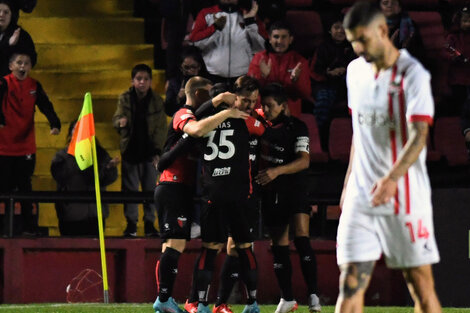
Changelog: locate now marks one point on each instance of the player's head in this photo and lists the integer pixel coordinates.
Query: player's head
(366, 29)
(141, 78)
(197, 90)
(280, 36)
(247, 90)
(273, 101)
(20, 64)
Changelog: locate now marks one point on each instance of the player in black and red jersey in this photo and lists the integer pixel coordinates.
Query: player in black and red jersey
(174, 193)
(226, 190)
(283, 161)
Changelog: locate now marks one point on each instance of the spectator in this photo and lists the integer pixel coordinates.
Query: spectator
(228, 39)
(80, 219)
(401, 29)
(328, 71)
(12, 36)
(192, 65)
(458, 43)
(19, 94)
(279, 64)
(140, 120)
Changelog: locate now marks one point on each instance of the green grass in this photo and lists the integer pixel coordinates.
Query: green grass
(147, 308)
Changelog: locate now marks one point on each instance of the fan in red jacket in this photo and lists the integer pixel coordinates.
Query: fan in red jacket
(280, 65)
(19, 94)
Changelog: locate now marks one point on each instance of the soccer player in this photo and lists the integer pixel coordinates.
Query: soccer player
(386, 200)
(285, 156)
(174, 193)
(226, 191)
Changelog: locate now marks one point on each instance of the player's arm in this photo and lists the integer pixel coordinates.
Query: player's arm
(301, 163)
(200, 128)
(386, 187)
(348, 173)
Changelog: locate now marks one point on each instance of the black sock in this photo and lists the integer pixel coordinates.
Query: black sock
(249, 272)
(283, 271)
(308, 263)
(228, 278)
(202, 275)
(167, 271)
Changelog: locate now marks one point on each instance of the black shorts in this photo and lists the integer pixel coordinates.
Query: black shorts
(174, 204)
(219, 219)
(279, 206)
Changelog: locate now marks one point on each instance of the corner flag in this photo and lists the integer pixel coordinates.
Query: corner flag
(83, 147)
(81, 143)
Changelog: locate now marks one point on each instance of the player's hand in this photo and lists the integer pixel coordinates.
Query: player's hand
(219, 23)
(252, 12)
(265, 68)
(236, 113)
(55, 131)
(266, 176)
(14, 37)
(383, 191)
(295, 74)
(123, 122)
(181, 94)
(113, 162)
(224, 97)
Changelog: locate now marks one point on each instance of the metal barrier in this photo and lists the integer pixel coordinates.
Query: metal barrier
(113, 197)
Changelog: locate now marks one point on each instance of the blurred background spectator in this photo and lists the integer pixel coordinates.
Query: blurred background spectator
(402, 30)
(279, 64)
(12, 36)
(328, 72)
(191, 64)
(80, 219)
(141, 122)
(228, 36)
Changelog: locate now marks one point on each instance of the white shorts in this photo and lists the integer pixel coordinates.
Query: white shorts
(405, 240)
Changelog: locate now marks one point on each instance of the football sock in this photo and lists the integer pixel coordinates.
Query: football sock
(168, 269)
(202, 275)
(228, 278)
(249, 272)
(283, 271)
(308, 263)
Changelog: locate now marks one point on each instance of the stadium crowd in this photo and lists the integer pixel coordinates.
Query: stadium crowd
(236, 94)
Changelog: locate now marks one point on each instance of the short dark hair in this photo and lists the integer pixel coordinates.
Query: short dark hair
(282, 24)
(245, 83)
(275, 91)
(141, 68)
(362, 13)
(17, 52)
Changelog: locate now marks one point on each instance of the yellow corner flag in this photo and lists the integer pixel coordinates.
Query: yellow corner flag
(83, 147)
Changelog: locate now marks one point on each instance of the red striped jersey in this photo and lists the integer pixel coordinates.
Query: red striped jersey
(382, 105)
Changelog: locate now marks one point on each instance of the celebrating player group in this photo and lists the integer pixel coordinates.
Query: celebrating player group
(249, 156)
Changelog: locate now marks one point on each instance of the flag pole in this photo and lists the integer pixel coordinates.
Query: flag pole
(100, 224)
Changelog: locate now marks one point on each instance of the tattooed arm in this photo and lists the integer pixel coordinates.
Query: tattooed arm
(386, 187)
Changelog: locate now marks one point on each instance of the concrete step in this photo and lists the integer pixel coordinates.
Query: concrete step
(80, 57)
(85, 30)
(75, 84)
(82, 8)
(68, 109)
(107, 135)
(44, 158)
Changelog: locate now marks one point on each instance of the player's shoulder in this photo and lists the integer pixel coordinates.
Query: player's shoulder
(356, 66)
(411, 67)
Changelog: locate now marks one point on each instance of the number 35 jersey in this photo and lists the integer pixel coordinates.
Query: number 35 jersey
(226, 164)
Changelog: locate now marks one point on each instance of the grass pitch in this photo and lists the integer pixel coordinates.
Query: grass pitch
(147, 308)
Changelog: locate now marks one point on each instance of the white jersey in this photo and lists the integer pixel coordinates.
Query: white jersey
(381, 106)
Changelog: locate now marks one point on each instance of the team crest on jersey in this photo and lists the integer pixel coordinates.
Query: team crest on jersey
(182, 221)
(394, 88)
(222, 171)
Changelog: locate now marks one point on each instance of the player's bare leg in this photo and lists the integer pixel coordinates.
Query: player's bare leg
(353, 283)
(421, 286)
